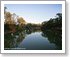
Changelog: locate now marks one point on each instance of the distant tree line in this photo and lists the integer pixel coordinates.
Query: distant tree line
(32, 27)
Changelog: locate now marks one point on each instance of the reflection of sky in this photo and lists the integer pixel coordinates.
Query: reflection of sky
(36, 41)
(35, 13)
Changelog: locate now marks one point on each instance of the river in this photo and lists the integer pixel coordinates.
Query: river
(37, 40)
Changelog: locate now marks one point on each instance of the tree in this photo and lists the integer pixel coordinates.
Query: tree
(5, 9)
(53, 23)
(8, 18)
(59, 15)
(21, 21)
(9, 23)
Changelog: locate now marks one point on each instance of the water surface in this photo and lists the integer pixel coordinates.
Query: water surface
(37, 40)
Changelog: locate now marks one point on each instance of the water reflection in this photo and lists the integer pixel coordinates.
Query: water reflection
(13, 40)
(40, 40)
(54, 37)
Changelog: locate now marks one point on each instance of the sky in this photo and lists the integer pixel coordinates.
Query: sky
(35, 13)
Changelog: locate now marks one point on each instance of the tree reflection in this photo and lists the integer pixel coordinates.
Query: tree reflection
(54, 37)
(8, 40)
(12, 40)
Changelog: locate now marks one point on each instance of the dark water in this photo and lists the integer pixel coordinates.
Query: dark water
(37, 40)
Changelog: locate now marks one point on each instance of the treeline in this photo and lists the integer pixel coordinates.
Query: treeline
(15, 23)
(32, 27)
(53, 23)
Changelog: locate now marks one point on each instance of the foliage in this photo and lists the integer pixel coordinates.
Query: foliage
(21, 21)
(12, 21)
(53, 37)
(32, 27)
(53, 23)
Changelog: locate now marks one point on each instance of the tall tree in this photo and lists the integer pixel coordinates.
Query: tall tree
(5, 9)
(8, 18)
